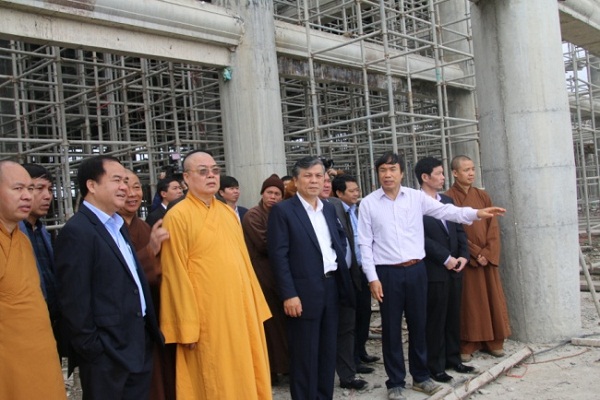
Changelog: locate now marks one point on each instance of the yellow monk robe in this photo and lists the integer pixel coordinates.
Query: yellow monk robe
(29, 363)
(210, 296)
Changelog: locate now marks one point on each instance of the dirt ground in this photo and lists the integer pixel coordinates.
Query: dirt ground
(556, 371)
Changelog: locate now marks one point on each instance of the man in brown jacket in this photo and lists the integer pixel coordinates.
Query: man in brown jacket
(254, 225)
(484, 316)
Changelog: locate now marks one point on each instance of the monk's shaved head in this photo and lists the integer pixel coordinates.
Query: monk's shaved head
(455, 164)
(16, 189)
(4, 163)
(188, 157)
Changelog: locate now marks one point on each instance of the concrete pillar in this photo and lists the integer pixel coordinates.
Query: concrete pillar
(461, 102)
(528, 162)
(251, 102)
(595, 75)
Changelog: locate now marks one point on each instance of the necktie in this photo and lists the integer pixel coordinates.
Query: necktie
(354, 222)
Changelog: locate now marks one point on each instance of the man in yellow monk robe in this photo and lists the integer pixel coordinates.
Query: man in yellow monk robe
(29, 363)
(212, 305)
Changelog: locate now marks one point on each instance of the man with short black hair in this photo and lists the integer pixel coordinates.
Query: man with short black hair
(169, 190)
(446, 255)
(391, 240)
(104, 296)
(286, 179)
(307, 249)
(39, 237)
(229, 191)
(353, 328)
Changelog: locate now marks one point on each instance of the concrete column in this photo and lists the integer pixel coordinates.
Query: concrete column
(251, 102)
(528, 162)
(595, 75)
(461, 103)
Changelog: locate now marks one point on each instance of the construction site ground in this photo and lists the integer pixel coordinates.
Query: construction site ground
(555, 371)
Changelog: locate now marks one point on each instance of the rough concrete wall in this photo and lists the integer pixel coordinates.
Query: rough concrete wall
(528, 162)
(461, 103)
(251, 103)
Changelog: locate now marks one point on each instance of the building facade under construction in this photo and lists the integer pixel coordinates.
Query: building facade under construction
(262, 83)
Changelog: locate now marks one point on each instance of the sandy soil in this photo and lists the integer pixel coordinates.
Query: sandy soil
(555, 371)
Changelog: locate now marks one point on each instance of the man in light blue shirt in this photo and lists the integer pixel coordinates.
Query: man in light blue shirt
(391, 240)
(107, 311)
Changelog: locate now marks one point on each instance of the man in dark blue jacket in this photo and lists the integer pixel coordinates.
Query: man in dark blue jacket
(446, 255)
(307, 249)
(104, 296)
(40, 238)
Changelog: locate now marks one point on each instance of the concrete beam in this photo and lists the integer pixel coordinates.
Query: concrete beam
(178, 30)
(586, 105)
(335, 49)
(580, 23)
(187, 31)
(337, 74)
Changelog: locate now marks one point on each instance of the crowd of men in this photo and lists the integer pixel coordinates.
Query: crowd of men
(207, 299)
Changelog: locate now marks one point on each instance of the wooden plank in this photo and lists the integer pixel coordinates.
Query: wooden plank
(472, 385)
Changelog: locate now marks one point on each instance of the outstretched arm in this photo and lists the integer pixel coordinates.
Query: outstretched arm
(490, 212)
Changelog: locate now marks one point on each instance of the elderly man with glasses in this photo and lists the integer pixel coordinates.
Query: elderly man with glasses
(212, 305)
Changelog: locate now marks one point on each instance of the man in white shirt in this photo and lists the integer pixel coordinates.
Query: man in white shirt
(391, 240)
(307, 249)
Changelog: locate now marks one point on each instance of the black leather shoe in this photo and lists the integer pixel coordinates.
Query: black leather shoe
(354, 383)
(441, 377)
(363, 369)
(367, 359)
(464, 369)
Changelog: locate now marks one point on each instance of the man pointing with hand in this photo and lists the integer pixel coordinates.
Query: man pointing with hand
(391, 240)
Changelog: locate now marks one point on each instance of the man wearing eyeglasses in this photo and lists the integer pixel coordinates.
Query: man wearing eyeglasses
(212, 305)
(169, 190)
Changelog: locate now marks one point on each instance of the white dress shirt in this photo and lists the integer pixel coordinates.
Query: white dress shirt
(319, 224)
(391, 231)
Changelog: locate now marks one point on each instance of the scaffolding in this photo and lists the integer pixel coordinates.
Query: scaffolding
(409, 87)
(583, 85)
(353, 112)
(60, 105)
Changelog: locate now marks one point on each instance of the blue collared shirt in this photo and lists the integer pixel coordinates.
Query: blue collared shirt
(351, 211)
(113, 225)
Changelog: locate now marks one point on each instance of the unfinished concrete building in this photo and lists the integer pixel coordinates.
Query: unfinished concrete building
(261, 83)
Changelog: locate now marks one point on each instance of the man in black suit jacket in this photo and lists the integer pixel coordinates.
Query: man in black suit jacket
(105, 301)
(229, 193)
(446, 254)
(169, 190)
(353, 329)
(307, 249)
